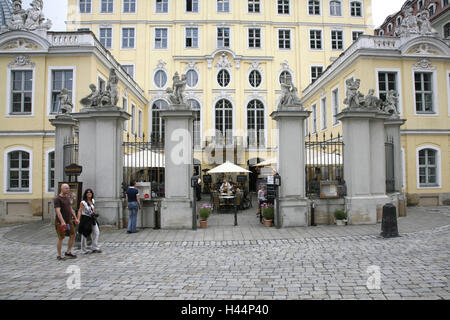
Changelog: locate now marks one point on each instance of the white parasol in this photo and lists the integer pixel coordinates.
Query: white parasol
(228, 167)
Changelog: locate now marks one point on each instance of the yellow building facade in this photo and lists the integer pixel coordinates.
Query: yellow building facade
(34, 67)
(418, 68)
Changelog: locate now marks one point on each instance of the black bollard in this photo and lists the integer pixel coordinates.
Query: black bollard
(389, 228)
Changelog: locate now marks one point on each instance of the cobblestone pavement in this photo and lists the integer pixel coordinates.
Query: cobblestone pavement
(325, 266)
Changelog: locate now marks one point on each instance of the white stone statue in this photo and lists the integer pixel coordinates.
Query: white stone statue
(18, 17)
(371, 101)
(93, 99)
(65, 103)
(424, 23)
(391, 104)
(289, 95)
(410, 24)
(112, 87)
(354, 98)
(176, 93)
(29, 20)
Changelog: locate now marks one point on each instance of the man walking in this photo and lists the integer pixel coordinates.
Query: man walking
(64, 222)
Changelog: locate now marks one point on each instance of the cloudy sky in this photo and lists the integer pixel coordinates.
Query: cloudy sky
(56, 10)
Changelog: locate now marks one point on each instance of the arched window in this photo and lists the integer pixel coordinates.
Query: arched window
(428, 166)
(195, 106)
(285, 77)
(192, 78)
(355, 9)
(335, 8)
(381, 33)
(389, 28)
(223, 78)
(399, 20)
(255, 78)
(18, 174)
(255, 124)
(158, 125)
(160, 79)
(447, 30)
(224, 118)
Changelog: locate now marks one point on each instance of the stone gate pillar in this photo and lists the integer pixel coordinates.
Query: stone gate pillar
(291, 165)
(101, 156)
(64, 131)
(176, 211)
(364, 163)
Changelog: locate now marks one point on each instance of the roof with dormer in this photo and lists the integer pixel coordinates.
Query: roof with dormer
(6, 10)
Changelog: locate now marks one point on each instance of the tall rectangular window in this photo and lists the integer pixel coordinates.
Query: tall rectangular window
(107, 6)
(133, 119)
(106, 37)
(191, 5)
(283, 6)
(314, 119)
(315, 39)
(284, 39)
(160, 38)
(85, 6)
(129, 68)
(60, 79)
(128, 38)
(125, 108)
(129, 6)
(223, 37)
(140, 129)
(335, 101)
(223, 6)
(335, 8)
(254, 6)
(191, 37)
(323, 113)
(316, 72)
(162, 6)
(356, 35)
(254, 38)
(423, 85)
(51, 172)
(356, 9)
(387, 81)
(428, 169)
(22, 91)
(337, 40)
(19, 171)
(314, 7)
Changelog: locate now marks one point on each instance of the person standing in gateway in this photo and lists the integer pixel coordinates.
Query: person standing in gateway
(64, 222)
(134, 205)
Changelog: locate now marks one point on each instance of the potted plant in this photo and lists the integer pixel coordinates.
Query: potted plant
(204, 212)
(268, 213)
(340, 217)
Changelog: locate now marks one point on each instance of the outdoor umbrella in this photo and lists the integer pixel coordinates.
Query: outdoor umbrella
(228, 167)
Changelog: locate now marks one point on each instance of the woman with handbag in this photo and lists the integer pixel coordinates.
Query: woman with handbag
(88, 223)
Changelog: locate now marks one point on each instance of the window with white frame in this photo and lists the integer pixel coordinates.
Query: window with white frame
(195, 106)
(389, 27)
(161, 40)
(160, 79)
(106, 37)
(125, 108)
(423, 85)
(21, 91)
(335, 107)
(315, 39)
(255, 124)
(224, 118)
(335, 8)
(254, 38)
(158, 124)
(191, 78)
(254, 6)
(420, 4)
(284, 39)
(223, 6)
(223, 78)
(283, 6)
(381, 32)
(387, 81)
(356, 35)
(223, 37)
(129, 68)
(432, 9)
(316, 72)
(314, 7)
(129, 6)
(191, 37)
(323, 113)
(399, 21)
(447, 30)
(85, 6)
(162, 6)
(356, 9)
(255, 78)
(140, 128)
(337, 40)
(285, 77)
(192, 5)
(314, 118)
(133, 119)
(51, 171)
(428, 168)
(128, 38)
(19, 171)
(107, 6)
(61, 79)
(101, 84)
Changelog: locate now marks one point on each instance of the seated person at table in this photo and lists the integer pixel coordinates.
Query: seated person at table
(225, 187)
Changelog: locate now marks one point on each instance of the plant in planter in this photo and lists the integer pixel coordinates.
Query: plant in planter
(204, 212)
(340, 217)
(268, 214)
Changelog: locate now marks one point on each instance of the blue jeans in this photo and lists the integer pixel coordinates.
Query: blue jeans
(133, 208)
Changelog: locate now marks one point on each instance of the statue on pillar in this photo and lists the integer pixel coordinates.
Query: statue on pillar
(371, 101)
(354, 98)
(176, 93)
(289, 96)
(391, 104)
(112, 87)
(65, 103)
(93, 99)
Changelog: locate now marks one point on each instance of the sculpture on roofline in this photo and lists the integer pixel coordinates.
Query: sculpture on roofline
(425, 27)
(18, 17)
(30, 19)
(410, 24)
(289, 95)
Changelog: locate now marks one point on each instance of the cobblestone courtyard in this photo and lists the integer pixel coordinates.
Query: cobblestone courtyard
(225, 262)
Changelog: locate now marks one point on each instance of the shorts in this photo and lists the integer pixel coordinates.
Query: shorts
(63, 233)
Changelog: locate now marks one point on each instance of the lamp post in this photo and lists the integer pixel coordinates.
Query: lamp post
(277, 183)
(194, 182)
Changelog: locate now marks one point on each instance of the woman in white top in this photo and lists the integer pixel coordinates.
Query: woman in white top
(88, 223)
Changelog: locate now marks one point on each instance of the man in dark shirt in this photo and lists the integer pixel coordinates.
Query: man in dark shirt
(64, 222)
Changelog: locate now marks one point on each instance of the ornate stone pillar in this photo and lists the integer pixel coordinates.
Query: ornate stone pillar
(291, 165)
(176, 211)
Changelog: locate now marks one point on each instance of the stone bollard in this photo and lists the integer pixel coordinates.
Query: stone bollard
(389, 227)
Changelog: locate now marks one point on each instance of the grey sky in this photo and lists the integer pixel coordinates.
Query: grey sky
(56, 10)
